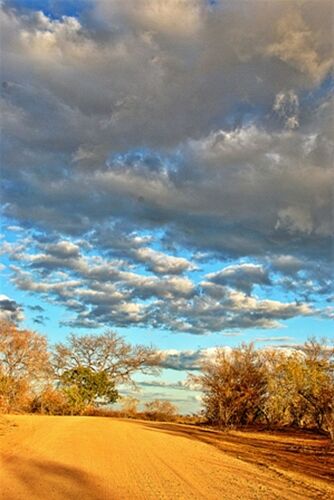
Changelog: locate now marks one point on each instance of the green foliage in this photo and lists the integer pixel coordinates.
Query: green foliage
(84, 387)
(107, 353)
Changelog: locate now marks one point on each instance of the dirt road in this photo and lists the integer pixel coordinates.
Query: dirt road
(100, 459)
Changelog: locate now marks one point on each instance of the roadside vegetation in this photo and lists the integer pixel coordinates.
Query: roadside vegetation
(242, 388)
(70, 378)
(277, 388)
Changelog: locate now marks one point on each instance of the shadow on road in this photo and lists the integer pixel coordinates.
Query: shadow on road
(308, 454)
(39, 479)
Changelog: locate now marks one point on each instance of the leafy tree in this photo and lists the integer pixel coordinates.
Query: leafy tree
(283, 405)
(84, 387)
(301, 387)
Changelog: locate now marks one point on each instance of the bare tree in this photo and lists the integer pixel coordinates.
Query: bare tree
(107, 353)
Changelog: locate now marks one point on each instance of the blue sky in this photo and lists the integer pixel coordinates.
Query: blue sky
(167, 173)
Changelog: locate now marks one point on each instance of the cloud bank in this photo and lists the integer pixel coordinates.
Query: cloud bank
(139, 134)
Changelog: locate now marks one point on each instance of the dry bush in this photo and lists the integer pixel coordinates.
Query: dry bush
(234, 386)
(129, 407)
(277, 388)
(160, 410)
(50, 402)
(15, 395)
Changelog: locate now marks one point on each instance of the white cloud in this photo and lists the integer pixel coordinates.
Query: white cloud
(161, 263)
(286, 105)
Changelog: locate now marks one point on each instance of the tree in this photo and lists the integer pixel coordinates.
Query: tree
(108, 353)
(316, 383)
(85, 387)
(23, 354)
(24, 365)
(234, 386)
(294, 388)
(283, 405)
(301, 387)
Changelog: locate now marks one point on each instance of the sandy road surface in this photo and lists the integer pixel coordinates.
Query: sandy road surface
(97, 458)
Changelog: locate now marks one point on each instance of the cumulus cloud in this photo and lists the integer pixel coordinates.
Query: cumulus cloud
(192, 360)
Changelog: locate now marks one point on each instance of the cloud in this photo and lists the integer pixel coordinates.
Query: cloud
(37, 308)
(40, 319)
(192, 360)
(140, 134)
(188, 359)
(10, 310)
(298, 44)
(273, 339)
(286, 106)
(98, 291)
(14, 228)
(183, 385)
(242, 276)
(287, 264)
(161, 263)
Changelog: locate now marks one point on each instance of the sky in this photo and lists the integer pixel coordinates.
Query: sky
(167, 173)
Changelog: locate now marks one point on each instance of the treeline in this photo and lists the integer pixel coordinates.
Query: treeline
(241, 387)
(69, 378)
(273, 387)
